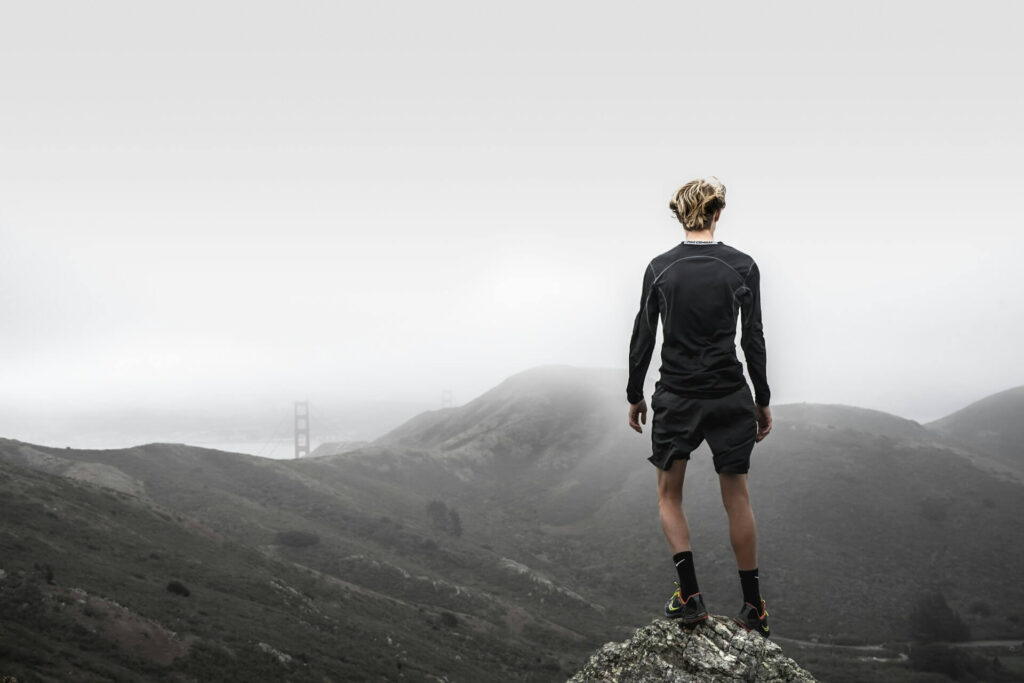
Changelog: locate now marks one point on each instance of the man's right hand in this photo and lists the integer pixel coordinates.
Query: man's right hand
(638, 414)
(764, 421)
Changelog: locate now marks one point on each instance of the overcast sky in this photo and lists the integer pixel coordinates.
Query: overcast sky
(213, 203)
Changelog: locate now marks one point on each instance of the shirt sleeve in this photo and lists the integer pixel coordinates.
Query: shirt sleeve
(753, 337)
(641, 344)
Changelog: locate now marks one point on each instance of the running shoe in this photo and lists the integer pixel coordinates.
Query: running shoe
(751, 620)
(690, 611)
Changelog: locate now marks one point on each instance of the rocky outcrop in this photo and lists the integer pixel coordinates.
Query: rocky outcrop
(717, 650)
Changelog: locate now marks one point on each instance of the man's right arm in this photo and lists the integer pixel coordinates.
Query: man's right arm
(753, 337)
(641, 344)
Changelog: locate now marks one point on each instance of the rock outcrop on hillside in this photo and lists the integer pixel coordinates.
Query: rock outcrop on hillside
(717, 650)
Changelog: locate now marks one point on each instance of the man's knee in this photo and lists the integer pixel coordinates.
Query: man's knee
(734, 491)
(670, 500)
(670, 491)
(670, 483)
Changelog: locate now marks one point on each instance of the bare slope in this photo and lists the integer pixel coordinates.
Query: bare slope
(993, 425)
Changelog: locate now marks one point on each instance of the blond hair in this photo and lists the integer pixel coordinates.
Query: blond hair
(695, 203)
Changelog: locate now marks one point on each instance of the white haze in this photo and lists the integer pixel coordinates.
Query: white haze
(217, 207)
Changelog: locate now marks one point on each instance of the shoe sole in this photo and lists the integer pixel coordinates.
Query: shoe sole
(681, 620)
(746, 628)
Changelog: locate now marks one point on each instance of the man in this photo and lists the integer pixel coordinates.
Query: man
(698, 289)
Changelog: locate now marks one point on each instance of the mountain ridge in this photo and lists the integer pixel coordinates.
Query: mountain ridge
(611, 381)
(991, 424)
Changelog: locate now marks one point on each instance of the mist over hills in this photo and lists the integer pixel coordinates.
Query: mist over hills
(254, 425)
(556, 548)
(884, 502)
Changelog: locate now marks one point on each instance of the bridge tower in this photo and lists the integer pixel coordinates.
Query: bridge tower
(301, 429)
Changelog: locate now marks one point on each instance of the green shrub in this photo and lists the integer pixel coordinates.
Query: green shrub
(933, 620)
(981, 608)
(444, 518)
(957, 664)
(454, 523)
(935, 510)
(46, 571)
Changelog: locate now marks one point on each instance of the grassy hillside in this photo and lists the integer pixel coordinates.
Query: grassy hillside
(85, 597)
(993, 425)
(502, 540)
(411, 597)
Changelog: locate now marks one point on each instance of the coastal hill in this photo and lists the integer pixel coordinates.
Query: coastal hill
(505, 539)
(993, 425)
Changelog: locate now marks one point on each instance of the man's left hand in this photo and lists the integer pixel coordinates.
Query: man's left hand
(638, 415)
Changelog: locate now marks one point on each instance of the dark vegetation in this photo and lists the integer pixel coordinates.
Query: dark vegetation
(934, 624)
(933, 620)
(444, 518)
(959, 665)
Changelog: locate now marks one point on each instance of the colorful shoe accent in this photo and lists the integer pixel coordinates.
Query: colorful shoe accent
(753, 620)
(690, 611)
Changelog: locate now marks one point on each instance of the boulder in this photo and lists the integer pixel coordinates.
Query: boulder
(715, 650)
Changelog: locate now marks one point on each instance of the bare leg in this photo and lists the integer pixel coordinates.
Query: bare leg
(742, 529)
(670, 506)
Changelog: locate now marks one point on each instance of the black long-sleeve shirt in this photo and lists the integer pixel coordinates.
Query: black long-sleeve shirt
(698, 290)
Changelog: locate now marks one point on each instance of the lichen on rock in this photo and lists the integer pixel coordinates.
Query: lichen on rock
(716, 650)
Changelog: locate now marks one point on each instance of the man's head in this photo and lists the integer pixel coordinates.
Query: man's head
(696, 203)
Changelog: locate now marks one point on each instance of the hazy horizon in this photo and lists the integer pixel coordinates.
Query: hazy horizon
(218, 209)
(260, 429)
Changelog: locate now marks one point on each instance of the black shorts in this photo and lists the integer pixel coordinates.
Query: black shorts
(679, 424)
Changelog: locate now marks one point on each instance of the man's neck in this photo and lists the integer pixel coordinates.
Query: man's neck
(705, 235)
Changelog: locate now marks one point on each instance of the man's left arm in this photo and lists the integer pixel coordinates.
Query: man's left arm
(752, 340)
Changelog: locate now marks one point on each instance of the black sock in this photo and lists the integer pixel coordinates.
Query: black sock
(751, 589)
(687, 574)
